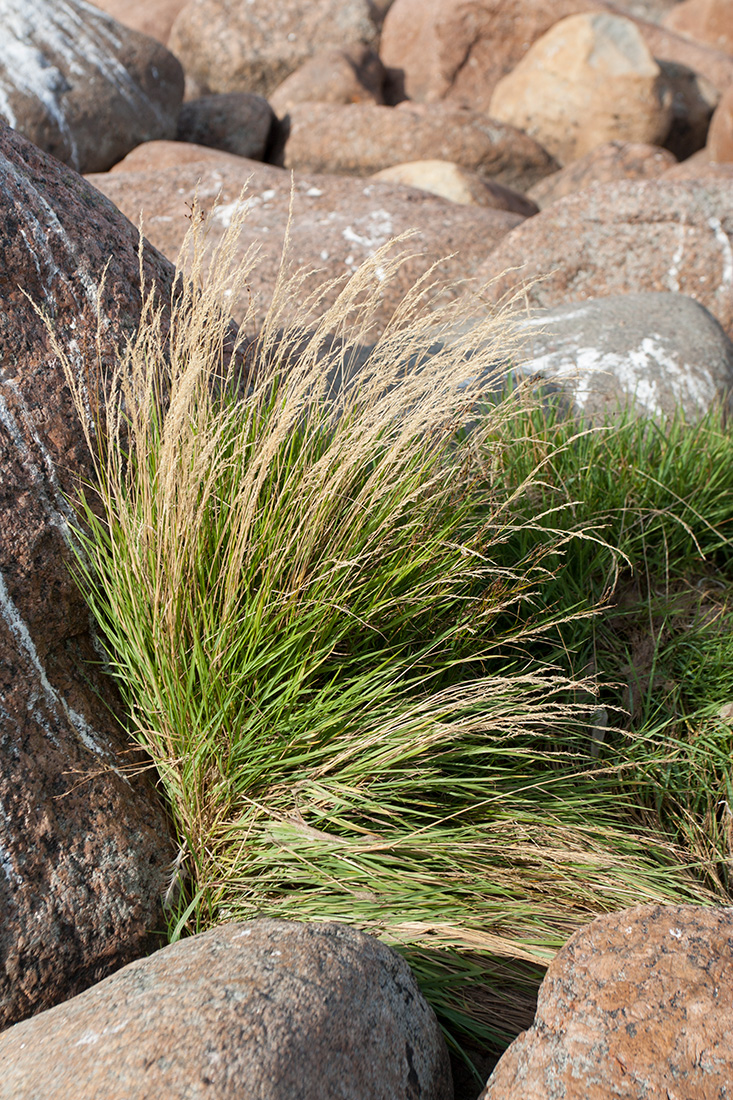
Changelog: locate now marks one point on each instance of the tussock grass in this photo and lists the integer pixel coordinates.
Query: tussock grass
(340, 625)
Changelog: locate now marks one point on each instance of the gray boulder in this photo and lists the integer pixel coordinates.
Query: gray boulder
(269, 1009)
(81, 86)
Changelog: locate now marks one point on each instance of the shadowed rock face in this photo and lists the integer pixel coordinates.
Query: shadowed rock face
(82, 86)
(82, 849)
(269, 1008)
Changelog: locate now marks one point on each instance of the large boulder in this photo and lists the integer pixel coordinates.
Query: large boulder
(460, 49)
(614, 160)
(269, 1008)
(252, 47)
(83, 845)
(637, 1004)
(651, 354)
(462, 185)
(354, 75)
(337, 222)
(588, 80)
(82, 86)
(720, 137)
(362, 138)
(616, 238)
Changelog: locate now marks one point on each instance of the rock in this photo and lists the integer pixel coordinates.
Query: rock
(700, 167)
(720, 137)
(652, 353)
(63, 67)
(652, 10)
(618, 238)
(83, 849)
(333, 76)
(460, 49)
(588, 80)
(361, 139)
(238, 123)
(152, 17)
(155, 155)
(637, 1004)
(707, 21)
(252, 47)
(614, 160)
(337, 222)
(451, 181)
(693, 101)
(269, 1008)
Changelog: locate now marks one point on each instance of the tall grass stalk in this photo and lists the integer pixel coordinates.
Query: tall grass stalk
(319, 600)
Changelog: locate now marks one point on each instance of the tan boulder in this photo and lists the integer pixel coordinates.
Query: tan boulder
(589, 80)
(614, 160)
(457, 184)
(707, 21)
(337, 221)
(268, 1008)
(720, 135)
(631, 235)
(332, 76)
(460, 49)
(360, 139)
(152, 155)
(638, 1004)
(153, 17)
(700, 167)
(253, 46)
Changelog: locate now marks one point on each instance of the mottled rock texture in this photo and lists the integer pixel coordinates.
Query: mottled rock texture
(614, 160)
(649, 353)
(361, 139)
(269, 1009)
(337, 222)
(333, 76)
(708, 21)
(588, 80)
(253, 46)
(460, 49)
(720, 137)
(82, 848)
(237, 122)
(615, 238)
(637, 1004)
(82, 86)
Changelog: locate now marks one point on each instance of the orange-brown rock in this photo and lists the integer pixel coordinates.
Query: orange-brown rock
(153, 17)
(361, 139)
(460, 49)
(83, 848)
(270, 1008)
(700, 167)
(590, 79)
(253, 46)
(333, 76)
(707, 21)
(631, 235)
(720, 135)
(451, 181)
(638, 1004)
(614, 160)
(337, 221)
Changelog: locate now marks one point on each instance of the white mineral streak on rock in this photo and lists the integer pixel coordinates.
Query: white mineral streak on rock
(56, 702)
(59, 513)
(82, 37)
(673, 275)
(726, 278)
(6, 862)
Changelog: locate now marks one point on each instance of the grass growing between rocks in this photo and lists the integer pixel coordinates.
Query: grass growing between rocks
(362, 646)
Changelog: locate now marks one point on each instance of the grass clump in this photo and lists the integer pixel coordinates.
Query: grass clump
(343, 628)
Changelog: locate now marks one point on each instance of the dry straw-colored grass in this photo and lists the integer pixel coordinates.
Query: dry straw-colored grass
(296, 578)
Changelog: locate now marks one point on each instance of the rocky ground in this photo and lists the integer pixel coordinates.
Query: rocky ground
(583, 141)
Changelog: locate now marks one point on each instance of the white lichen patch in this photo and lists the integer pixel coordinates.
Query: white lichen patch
(726, 275)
